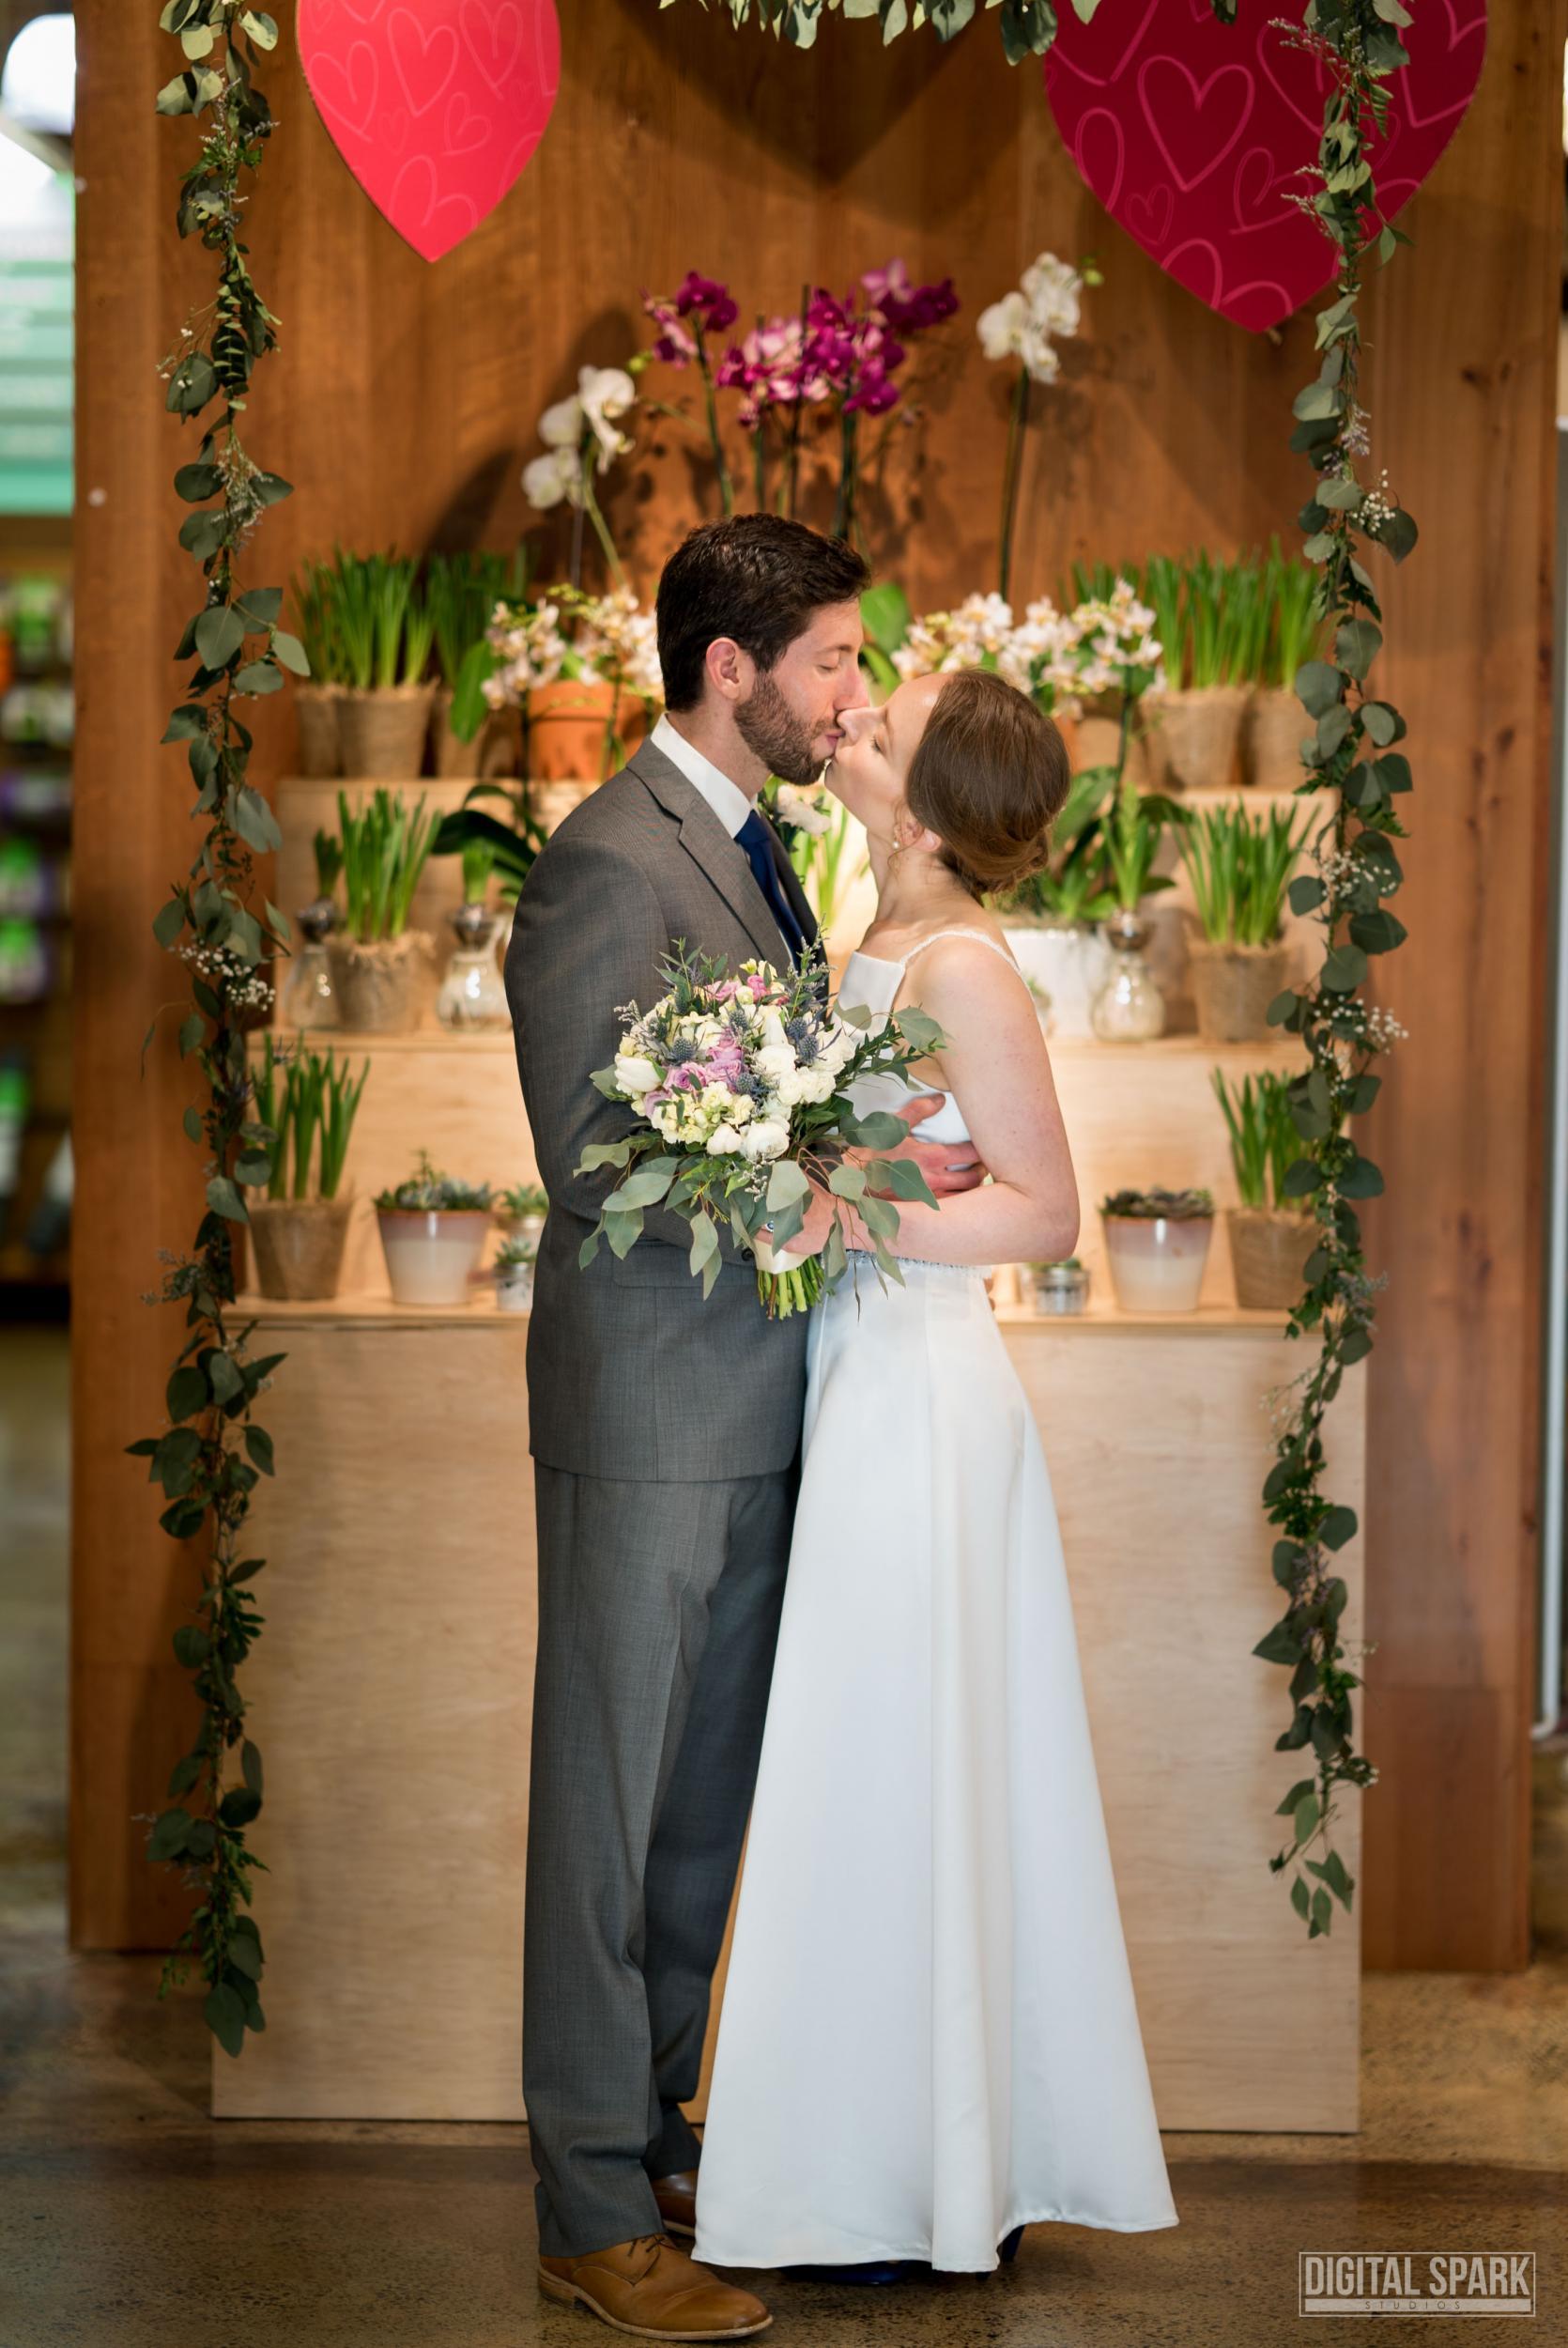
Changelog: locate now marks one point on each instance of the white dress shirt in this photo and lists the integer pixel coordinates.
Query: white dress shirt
(727, 799)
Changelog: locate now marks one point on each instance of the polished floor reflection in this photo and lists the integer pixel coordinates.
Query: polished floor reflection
(129, 2219)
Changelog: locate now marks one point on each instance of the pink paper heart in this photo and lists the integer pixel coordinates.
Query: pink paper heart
(1190, 132)
(436, 110)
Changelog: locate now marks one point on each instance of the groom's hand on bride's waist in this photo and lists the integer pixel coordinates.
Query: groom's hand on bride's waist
(949, 1166)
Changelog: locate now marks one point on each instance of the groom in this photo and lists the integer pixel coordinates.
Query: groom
(663, 1427)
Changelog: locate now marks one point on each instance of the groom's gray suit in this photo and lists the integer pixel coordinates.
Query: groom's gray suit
(665, 1431)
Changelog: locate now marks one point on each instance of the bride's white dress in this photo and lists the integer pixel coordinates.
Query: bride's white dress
(929, 2033)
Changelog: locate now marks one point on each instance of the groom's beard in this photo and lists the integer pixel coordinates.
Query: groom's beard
(772, 732)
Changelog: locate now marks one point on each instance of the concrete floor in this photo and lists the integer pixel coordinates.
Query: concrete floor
(129, 2219)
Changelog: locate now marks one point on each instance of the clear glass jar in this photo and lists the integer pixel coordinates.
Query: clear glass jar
(1129, 1008)
(308, 998)
(473, 994)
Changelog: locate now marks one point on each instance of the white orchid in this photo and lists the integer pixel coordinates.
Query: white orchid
(1024, 324)
(603, 395)
(556, 475)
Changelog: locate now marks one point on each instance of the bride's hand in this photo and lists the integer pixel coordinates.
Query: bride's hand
(812, 1236)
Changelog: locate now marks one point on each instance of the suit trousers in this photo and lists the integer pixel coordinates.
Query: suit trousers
(658, 1616)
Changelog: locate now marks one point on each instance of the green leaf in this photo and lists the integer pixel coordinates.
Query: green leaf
(848, 1180)
(1317, 402)
(224, 1199)
(223, 1371)
(622, 1228)
(186, 1393)
(173, 97)
(704, 1242)
(1393, 771)
(192, 1646)
(1361, 1179)
(1280, 1645)
(270, 488)
(250, 1764)
(226, 2018)
(1301, 1177)
(1357, 646)
(258, 677)
(1334, 729)
(1337, 1527)
(1305, 1816)
(195, 482)
(1318, 687)
(258, 1443)
(1298, 1899)
(786, 1186)
(1343, 970)
(167, 1839)
(1383, 725)
(1355, 1346)
(245, 1953)
(646, 1185)
(1341, 496)
(239, 1805)
(168, 922)
(253, 820)
(1306, 893)
(184, 1775)
(1322, 1911)
(220, 633)
(599, 1154)
(1302, 1786)
(290, 650)
(1397, 535)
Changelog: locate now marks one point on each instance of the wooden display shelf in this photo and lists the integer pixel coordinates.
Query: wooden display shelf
(397, 1670)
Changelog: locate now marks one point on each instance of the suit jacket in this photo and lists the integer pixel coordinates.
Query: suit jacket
(631, 1372)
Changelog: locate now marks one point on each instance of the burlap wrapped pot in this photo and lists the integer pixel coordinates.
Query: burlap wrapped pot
(383, 732)
(380, 984)
(1271, 740)
(1193, 737)
(1232, 987)
(1268, 1249)
(456, 761)
(317, 716)
(297, 1246)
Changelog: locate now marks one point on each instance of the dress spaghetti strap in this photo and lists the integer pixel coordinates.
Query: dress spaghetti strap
(980, 938)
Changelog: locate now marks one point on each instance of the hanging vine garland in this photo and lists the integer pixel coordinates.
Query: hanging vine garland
(1357, 868)
(210, 1455)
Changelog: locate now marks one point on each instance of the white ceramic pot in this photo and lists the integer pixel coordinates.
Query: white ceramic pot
(1157, 1261)
(430, 1252)
(1066, 962)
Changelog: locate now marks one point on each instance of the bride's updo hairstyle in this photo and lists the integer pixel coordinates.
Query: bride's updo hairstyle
(989, 777)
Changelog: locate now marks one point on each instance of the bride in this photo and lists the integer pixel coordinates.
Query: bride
(930, 2038)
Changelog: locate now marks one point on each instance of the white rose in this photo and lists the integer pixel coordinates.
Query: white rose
(764, 1138)
(635, 1074)
(816, 1083)
(724, 1142)
(790, 1088)
(774, 1061)
(774, 1036)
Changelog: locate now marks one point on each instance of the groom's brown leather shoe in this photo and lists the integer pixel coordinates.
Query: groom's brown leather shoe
(676, 2195)
(651, 2289)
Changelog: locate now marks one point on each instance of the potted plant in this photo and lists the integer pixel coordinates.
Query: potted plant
(1130, 1007)
(1276, 722)
(307, 999)
(462, 592)
(585, 723)
(433, 1232)
(375, 958)
(514, 1269)
(1206, 620)
(471, 994)
(318, 697)
(1239, 866)
(1157, 1243)
(521, 1212)
(1271, 1235)
(308, 1103)
(386, 627)
(1051, 919)
(1061, 1287)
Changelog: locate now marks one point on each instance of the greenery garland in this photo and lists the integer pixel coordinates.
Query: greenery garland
(212, 1453)
(1028, 28)
(1357, 42)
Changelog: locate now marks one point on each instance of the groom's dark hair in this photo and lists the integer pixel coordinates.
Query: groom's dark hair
(753, 577)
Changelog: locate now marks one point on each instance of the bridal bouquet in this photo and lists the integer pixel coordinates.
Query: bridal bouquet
(740, 1085)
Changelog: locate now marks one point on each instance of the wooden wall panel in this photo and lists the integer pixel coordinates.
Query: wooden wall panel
(404, 407)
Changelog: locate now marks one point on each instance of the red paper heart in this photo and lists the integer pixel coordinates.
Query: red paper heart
(436, 109)
(1190, 132)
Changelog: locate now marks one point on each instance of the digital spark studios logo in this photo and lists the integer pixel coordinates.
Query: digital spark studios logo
(1415, 2283)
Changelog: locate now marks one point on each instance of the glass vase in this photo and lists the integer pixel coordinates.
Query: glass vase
(1129, 1008)
(309, 998)
(473, 994)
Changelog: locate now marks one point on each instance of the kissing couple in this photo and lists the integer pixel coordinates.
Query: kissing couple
(807, 1571)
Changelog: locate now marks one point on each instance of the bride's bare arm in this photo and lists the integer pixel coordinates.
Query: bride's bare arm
(996, 1064)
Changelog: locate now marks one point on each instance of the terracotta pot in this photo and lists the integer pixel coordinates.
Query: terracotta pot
(455, 760)
(316, 713)
(1157, 1261)
(383, 732)
(431, 1251)
(1232, 987)
(567, 724)
(1193, 744)
(1268, 1249)
(378, 983)
(297, 1246)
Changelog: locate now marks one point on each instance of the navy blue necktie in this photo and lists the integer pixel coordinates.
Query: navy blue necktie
(756, 839)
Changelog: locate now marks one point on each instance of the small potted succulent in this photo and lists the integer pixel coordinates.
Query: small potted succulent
(514, 1269)
(433, 1232)
(1157, 1243)
(1239, 867)
(1271, 1235)
(1061, 1287)
(521, 1212)
(309, 1101)
(377, 959)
